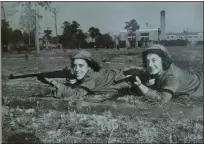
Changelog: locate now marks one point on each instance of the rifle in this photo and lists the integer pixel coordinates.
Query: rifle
(142, 74)
(64, 73)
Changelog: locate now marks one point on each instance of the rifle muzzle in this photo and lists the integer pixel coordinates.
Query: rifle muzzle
(11, 76)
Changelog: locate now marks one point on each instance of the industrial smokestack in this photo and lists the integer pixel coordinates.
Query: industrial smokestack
(162, 25)
(3, 16)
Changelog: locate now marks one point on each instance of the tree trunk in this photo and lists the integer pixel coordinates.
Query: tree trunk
(79, 44)
(46, 43)
(29, 25)
(135, 39)
(126, 41)
(36, 28)
(131, 39)
(29, 40)
(115, 43)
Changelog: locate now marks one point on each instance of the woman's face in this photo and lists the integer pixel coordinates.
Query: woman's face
(154, 64)
(80, 68)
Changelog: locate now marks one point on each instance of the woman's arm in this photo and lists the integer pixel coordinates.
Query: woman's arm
(77, 91)
(155, 95)
(65, 91)
(165, 95)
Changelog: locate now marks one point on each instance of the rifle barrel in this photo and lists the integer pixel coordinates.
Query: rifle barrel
(123, 80)
(22, 76)
(52, 74)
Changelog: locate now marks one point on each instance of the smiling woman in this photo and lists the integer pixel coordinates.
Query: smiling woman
(90, 78)
(170, 80)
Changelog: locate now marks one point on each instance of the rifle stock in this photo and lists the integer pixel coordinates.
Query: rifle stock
(143, 76)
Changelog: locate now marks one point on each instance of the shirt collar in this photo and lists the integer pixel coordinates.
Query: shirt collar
(88, 75)
(163, 72)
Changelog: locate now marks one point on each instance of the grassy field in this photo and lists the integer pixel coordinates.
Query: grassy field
(55, 126)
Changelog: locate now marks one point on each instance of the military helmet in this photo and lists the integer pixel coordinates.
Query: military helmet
(83, 54)
(156, 48)
(162, 52)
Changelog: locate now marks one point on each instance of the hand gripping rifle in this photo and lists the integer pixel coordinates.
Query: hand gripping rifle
(142, 74)
(64, 73)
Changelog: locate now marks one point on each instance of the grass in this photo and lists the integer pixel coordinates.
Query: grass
(65, 127)
(60, 127)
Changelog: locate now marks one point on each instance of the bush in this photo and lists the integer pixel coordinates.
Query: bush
(177, 42)
(122, 44)
(199, 43)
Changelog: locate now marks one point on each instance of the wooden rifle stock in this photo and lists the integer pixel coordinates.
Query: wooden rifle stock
(143, 76)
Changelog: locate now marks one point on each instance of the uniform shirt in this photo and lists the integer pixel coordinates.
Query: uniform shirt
(97, 82)
(178, 81)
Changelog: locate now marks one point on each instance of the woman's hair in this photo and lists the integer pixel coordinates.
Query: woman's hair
(91, 63)
(166, 60)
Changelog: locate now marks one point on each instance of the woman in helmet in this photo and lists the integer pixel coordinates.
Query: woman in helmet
(90, 78)
(170, 80)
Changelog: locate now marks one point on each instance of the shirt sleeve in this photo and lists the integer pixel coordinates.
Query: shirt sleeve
(170, 84)
(168, 88)
(159, 96)
(78, 91)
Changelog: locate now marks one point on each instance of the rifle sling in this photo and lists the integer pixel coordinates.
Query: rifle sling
(87, 89)
(78, 86)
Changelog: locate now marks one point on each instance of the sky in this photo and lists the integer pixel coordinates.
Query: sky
(111, 16)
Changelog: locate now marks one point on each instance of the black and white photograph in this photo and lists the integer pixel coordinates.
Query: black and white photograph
(102, 72)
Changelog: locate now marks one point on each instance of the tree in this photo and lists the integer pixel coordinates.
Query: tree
(71, 34)
(48, 33)
(81, 37)
(60, 39)
(104, 40)
(27, 19)
(65, 36)
(47, 36)
(6, 33)
(17, 37)
(94, 33)
(116, 38)
(26, 38)
(45, 5)
(132, 26)
(74, 28)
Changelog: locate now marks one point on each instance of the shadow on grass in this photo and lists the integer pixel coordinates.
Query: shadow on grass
(128, 54)
(23, 138)
(189, 65)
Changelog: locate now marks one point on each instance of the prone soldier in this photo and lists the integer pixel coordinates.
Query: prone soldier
(90, 78)
(170, 80)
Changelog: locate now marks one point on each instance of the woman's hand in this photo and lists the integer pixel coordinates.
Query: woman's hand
(73, 81)
(53, 82)
(142, 87)
(59, 88)
(150, 82)
(138, 81)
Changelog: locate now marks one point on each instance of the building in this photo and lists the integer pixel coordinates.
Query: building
(52, 43)
(192, 37)
(146, 36)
